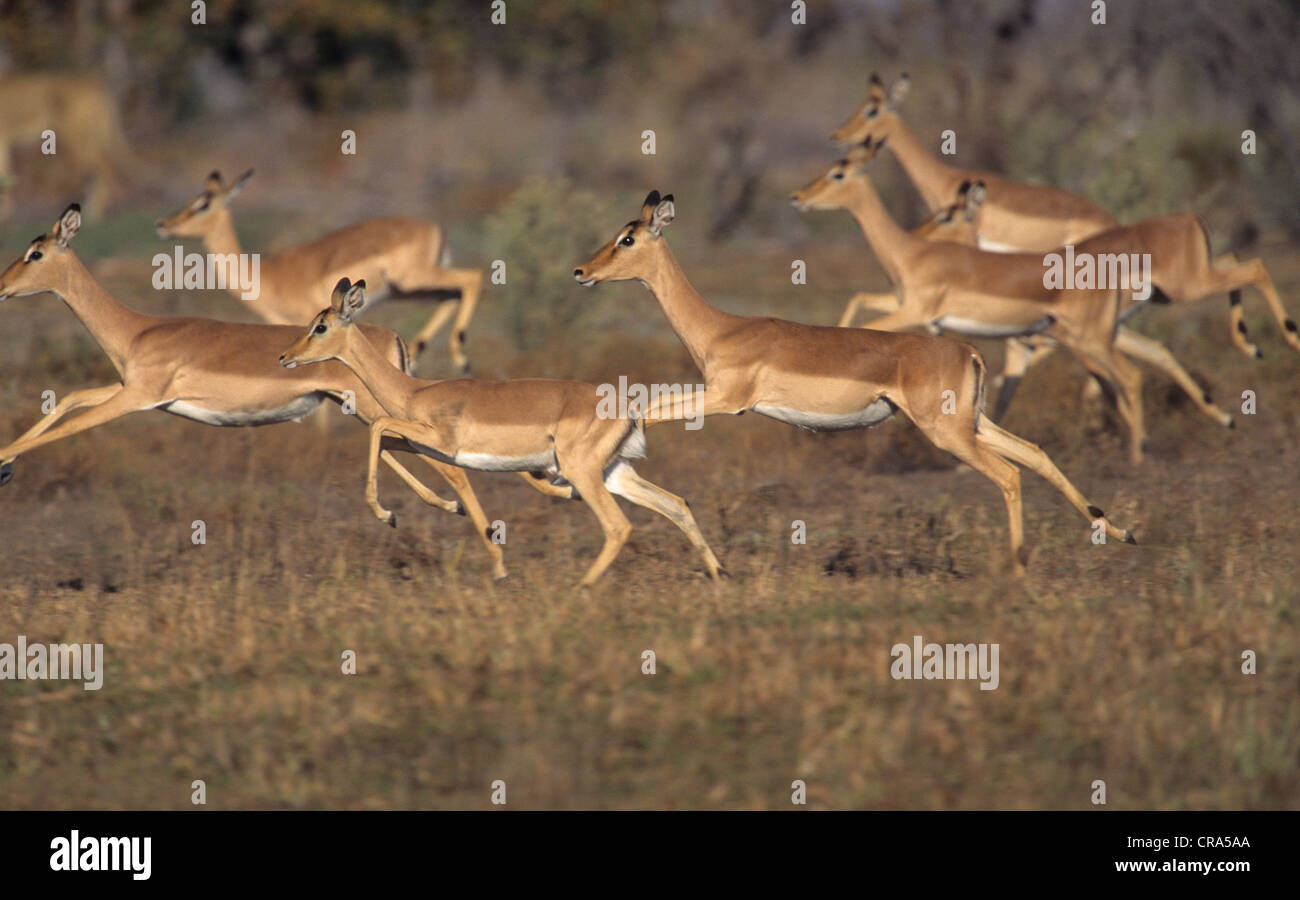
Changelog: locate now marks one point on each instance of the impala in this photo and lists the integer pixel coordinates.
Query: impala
(1017, 216)
(547, 428)
(826, 378)
(217, 373)
(1025, 217)
(967, 291)
(962, 289)
(402, 256)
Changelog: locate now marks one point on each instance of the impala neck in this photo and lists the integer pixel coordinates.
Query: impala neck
(221, 239)
(388, 384)
(926, 171)
(889, 242)
(113, 326)
(690, 315)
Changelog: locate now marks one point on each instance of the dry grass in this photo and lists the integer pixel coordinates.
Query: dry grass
(223, 660)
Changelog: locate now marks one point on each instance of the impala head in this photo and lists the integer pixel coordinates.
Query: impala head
(834, 188)
(877, 115)
(204, 212)
(44, 264)
(957, 221)
(634, 249)
(327, 335)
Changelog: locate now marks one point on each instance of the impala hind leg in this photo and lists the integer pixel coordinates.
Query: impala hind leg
(962, 444)
(446, 309)
(591, 486)
(470, 284)
(1246, 274)
(1132, 344)
(625, 482)
(1018, 450)
(1125, 379)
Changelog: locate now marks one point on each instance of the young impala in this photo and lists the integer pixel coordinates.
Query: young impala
(401, 256)
(217, 373)
(826, 378)
(552, 429)
(959, 288)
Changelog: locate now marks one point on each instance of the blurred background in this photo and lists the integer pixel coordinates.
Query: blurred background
(524, 140)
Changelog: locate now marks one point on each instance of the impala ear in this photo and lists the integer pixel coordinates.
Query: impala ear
(648, 207)
(354, 301)
(875, 87)
(213, 182)
(68, 225)
(664, 213)
(340, 291)
(238, 185)
(899, 90)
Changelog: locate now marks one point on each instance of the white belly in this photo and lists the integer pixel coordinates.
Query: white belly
(995, 247)
(290, 413)
(486, 462)
(873, 414)
(977, 328)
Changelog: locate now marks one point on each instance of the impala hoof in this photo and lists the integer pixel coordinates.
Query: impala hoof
(6, 473)
(460, 511)
(1259, 354)
(1129, 539)
(392, 520)
(1232, 423)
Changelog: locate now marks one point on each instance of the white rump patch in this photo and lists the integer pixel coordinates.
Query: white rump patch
(870, 415)
(290, 413)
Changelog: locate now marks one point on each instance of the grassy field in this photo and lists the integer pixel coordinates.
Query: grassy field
(223, 660)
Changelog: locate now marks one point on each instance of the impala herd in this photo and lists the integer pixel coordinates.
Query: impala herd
(975, 269)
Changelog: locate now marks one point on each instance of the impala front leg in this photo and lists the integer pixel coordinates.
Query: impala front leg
(74, 401)
(692, 405)
(881, 303)
(378, 428)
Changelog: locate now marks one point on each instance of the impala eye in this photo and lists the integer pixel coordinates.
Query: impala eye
(319, 329)
(34, 255)
(837, 176)
(627, 241)
(871, 113)
(201, 205)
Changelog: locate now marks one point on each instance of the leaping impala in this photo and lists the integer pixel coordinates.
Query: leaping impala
(826, 378)
(1017, 216)
(967, 291)
(1024, 217)
(217, 373)
(400, 256)
(548, 428)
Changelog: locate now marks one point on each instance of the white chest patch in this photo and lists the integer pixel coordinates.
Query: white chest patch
(976, 328)
(872, 414)
(486, 462)
(290, 413)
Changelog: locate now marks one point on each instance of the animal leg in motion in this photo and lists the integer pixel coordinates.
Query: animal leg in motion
(690, 406)
(385, 427)
(1141, 348)
(586, 477)
(881, 303)
(625, 482)
(118, 404)
(470, 284)
(1245, 274)
(74, 401)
